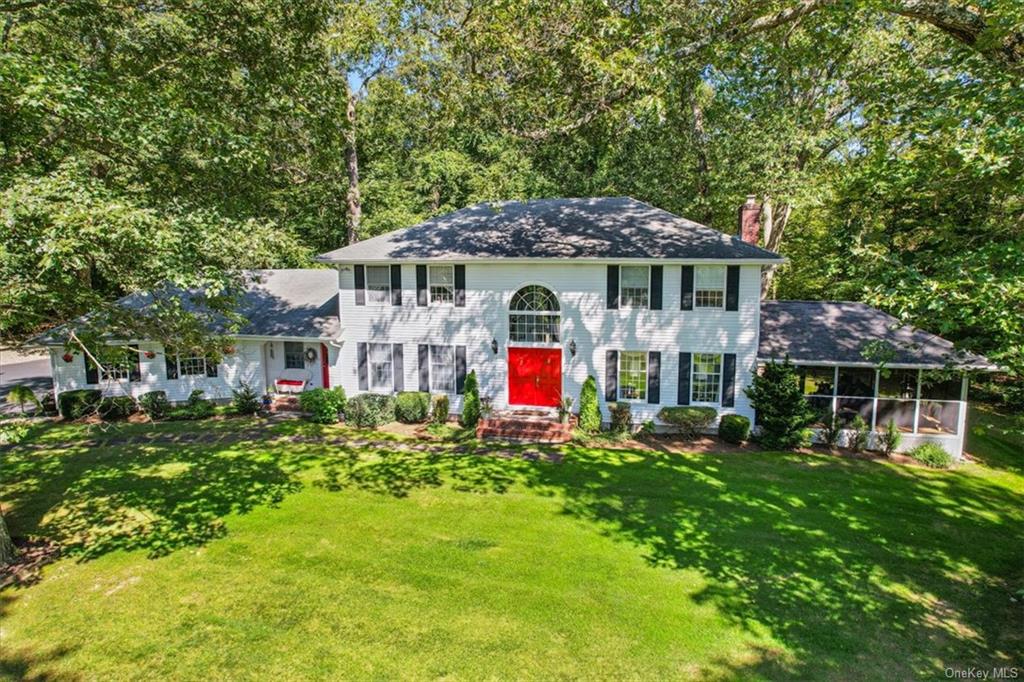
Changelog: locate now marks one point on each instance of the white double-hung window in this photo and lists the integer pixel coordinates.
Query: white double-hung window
(442, 369)
(381, 369)
(709, 286)
(441, 281)
(634, 286)
(632, 375)
(378, 284)
(706, 382)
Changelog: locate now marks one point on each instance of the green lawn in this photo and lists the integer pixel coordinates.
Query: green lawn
(299, 559)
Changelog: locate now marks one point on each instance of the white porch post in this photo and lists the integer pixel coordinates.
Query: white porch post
(917, 401)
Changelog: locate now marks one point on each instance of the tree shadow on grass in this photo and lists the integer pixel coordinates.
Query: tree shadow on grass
(856, 568)
(156, 498)
(21, 664)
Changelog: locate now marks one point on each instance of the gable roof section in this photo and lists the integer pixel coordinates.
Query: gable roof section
(286, 303)
(602, 228)
(843, 332)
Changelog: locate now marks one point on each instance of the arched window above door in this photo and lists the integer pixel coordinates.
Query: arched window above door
(534, 316)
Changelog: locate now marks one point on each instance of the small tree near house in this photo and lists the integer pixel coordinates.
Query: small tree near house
(782, 411)
(471, 402)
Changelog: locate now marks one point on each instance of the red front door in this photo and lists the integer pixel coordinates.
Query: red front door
(535, 376)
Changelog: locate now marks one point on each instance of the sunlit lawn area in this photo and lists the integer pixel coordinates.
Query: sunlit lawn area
(281, 559)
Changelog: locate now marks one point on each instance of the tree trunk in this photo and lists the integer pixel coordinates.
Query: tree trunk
(699, 138)
(7, 550)
(355, 209)
(774, 225)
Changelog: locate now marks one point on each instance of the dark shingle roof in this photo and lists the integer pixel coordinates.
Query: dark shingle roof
(595, 228)
(287, 303)
(841, 331)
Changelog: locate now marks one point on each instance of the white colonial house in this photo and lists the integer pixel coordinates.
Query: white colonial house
(535, 297)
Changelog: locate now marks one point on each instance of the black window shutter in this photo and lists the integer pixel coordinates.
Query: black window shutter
(611, 375)
(398, 365)
(135, 372)
(686, 294)
(421, 285)
(683, 392)
(211, 367)
(360, 285)
(656, 286)
(92, 372)
(364, 377)
(654, 377)
(460, 369)
(613, 287)
(396, 285)
(732, 287)
(171, 363)
(424, 357)
(729, 380)
(460, 286)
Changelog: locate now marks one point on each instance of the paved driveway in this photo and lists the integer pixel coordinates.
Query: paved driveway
(29, 368)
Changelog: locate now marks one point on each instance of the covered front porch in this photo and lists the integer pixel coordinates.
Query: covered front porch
(292, 366)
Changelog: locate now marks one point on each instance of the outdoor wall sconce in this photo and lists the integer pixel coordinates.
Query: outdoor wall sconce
(572, 347)
(494, 346)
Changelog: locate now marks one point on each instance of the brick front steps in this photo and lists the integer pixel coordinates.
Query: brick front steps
(526, 427)
(285, 403)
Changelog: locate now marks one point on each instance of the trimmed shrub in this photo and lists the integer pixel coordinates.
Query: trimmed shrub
(155, 404)
(734, 428)
(322, 406)
(245, 400)
(782, 411)
(370, 410)
(889, 439)
(690, 421)
(441, 409)
(79, 403)
(590, 411)
(858, 434)
(647, 429)
(411, 407)
(470, 403)
(622, 418)
(932, 455)
(197, 406)
(832, 430)
(119, 407)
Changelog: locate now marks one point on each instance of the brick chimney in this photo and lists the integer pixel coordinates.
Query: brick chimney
(750, 220)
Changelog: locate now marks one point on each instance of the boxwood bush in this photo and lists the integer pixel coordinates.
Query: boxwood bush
(734, 428)
(442, 408)
(155, 404)
(119, 407)
(370, 410)
(198, 407)
(691, 421)
(412, 407)
(78, 403)
(932, 455)
(323, 405)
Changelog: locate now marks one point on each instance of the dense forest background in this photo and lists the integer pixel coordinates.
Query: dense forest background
(141, 142)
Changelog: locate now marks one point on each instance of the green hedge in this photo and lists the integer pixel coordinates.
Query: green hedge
(78, 403)
(412, 407)
(470, 402)
(691, 421)
(323, 405)
(590, 411)
(932, 455)
(155, 404)
(119, 407)
(442, 408)
(734, 428)
(370, 410)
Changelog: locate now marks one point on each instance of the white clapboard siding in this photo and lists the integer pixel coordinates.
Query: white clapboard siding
(581, 292)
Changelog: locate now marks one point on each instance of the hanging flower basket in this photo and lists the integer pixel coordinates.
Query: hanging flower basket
(68, 357)
(150, 355)
(229, 350)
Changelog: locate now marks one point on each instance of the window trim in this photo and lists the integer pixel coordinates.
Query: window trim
(370, 374)
(430, 292)
(430, 368)
(622, 279)
(697, 290)
(618, 376)
(693, 384)
(367, 289)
